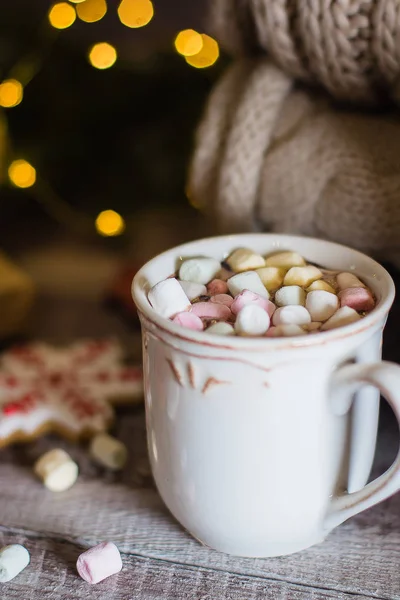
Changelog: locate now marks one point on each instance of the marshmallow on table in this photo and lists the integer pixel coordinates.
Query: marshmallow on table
(217, 286)
(321, 304)
(272, 277)
(57, 470)
(108, 451)
(168, 298)
(221, 328)
(193, 290)
(99, 562)
(348, 280)
(343, 316)
(320, 284)
(252, 320)
(358, 298)
(13, 560)
(211, 310)
(285, 331)
(249, 280)
(188, 320)
(290, 294)
(199, 270)
(246, 297)
(302, 276)
(222, 299)
(244, 259)
(285, 260)
(291, 315)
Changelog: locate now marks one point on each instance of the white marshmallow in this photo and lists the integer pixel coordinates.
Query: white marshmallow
(13, 560)
(192, 289)
(244, 259)
(302, 276)
(221, 328)
(57, 470)
(272, 277)
(108, 451)
(285, 260)
(321, 305)
(320, 284)
(290, 294)
(252, 320)
(249, 280)
(286, 331)
(291, 315)
(348, 280)
(168, 298)
(199, 270)
(343, 316)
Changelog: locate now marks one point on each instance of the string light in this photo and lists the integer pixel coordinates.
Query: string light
(135, 13)
(62, 15)
(11, 93)
(102, 55)
(110, 223)
(21, 173)
(91, 11)
(207, 56)
(188, 42)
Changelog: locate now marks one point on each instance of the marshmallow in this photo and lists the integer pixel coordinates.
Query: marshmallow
(217, 286)
(290, 295)
(343, 316)
(249, 280)
(13, 560)
(168, 298)
(108, 451)
(222, 299)
(189, 320)
(272, 277)
(193, 290)
(291, 315)
(99, 562)
(246, 297)
(252, 320)
(285, 331)
(211, 310)
(199, 270)
(244, 259)
(320, 284)
(285, 260)
(312, 327)
(57, 470)
(302, 276)
(221, 329)
(321, 305)
(358, 298)
(224, 274)
(348, 280)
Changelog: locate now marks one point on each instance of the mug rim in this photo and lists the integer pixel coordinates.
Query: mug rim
(257, 343)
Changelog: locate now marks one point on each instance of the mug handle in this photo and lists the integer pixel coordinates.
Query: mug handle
(386, 377)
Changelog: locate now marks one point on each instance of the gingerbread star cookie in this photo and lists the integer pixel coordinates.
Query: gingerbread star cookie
(70, 391)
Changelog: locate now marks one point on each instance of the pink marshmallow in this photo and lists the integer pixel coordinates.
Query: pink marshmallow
(211, 310)
(217, 286)
(188, 320)
(247, 297)
(358, 298)
(99, 562)
(222, 299)
(271, 332)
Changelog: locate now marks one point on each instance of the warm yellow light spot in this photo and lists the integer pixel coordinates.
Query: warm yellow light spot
(77, 1)
(102, 55)
(91, 11)
(188, 42)
(21, 173)
(109, 223)
(62, 15)
(11, 92)
(207, 56)
(135, 13)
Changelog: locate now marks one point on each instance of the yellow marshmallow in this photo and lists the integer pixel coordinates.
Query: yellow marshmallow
(272, 277)
(285, 260)
(320, 284)
(244, 259)
(302, 276)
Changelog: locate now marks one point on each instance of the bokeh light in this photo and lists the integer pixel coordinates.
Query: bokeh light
(188, 42)
(110, 223)
(11, 93)
(62, 15)
(135, 13)
(91, 11)
(102, 55)
(77, 1)
(21, 173)
(207, 56)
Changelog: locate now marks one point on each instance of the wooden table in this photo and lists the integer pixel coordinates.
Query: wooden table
(359, 560)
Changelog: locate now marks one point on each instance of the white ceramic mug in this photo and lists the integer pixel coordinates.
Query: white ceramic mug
(250, 438)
